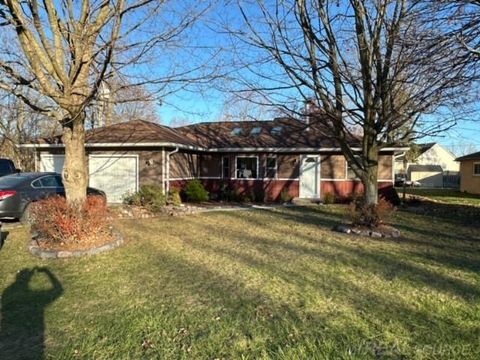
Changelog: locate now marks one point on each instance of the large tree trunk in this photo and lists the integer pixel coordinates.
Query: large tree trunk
(370, 180)
(75, 176)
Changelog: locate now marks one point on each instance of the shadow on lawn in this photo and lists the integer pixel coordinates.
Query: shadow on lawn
(380, 262)
(22, 315)
(247, 292)
(3, 238)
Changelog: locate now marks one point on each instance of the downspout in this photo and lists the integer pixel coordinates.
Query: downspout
(168, 168)
(164, 166)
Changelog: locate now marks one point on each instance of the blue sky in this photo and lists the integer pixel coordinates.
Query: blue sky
(207, 104)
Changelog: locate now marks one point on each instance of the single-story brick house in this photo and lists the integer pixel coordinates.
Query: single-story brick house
(470, 173)
(266, 157)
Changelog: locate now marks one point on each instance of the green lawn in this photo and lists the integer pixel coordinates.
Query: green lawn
(250, 285)
(450, 196)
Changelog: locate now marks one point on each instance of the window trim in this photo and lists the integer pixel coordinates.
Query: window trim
(267, 168)
(473, 168)
(222, 175)
(246, 157)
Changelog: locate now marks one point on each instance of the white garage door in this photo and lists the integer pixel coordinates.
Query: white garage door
(51, 163)
(114, 174)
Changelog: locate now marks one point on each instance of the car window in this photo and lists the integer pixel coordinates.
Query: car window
(59, 180)
(5, 168)
(51, 181)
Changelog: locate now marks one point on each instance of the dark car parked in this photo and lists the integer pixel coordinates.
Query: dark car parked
(7, 167)
(17, 191)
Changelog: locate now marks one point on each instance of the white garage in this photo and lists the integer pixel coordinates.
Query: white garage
(51, 163)
(116, 175)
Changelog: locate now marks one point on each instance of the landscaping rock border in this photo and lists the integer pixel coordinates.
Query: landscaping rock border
(384, 232)
(61, 254)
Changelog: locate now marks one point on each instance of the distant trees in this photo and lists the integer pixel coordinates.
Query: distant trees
(373, 65)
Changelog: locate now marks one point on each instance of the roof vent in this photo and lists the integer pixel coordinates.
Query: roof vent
(236, 131)
(256, 131)
(277, 130)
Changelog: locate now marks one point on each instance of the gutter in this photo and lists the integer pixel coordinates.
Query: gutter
(197, 148)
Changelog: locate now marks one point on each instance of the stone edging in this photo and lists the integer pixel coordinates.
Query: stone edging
(377, 233)
(58, 254)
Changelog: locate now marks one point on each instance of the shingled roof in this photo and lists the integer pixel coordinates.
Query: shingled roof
(473, 156)
(132, 132)
(277, 133)
(281, 133)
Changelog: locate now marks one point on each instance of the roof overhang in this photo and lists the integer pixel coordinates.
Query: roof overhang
(300, 150)
(215, 150)
(116, 145)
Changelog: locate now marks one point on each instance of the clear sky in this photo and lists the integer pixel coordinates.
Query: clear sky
(206, 102)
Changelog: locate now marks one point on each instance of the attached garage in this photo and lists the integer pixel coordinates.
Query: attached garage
(117, 175)
(51, 163)
(114, 174)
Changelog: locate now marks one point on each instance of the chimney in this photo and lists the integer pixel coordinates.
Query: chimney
(310, 109)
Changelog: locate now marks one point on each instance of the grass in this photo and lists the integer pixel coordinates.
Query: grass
(450, 196)
(250, 285)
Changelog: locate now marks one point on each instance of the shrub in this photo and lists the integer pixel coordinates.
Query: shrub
(371, 215)
(195, 191)
(150, 197)
(248, 196)
(259, 195)
(227, 193)
(285, 197)
(329, 198)
(59, 223)
(174, 197)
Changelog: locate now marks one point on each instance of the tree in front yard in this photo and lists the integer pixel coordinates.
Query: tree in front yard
(371, 67)
(68, 49)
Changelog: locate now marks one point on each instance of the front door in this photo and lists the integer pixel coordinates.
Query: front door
(310, 177)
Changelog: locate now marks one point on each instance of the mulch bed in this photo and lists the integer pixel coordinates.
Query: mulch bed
(46, 249)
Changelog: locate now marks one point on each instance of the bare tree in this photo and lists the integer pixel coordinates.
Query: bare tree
(460, 19)
(372, 65)
(69, 48)
(19, 124)
(246, 106)
(118, 101)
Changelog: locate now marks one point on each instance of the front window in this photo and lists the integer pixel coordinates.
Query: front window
(476, 169)
(247, 167)
(271, 171)
(226, 167)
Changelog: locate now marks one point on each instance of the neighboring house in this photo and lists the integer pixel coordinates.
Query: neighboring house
(435, 166)
(470, 173)
(261, 157)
